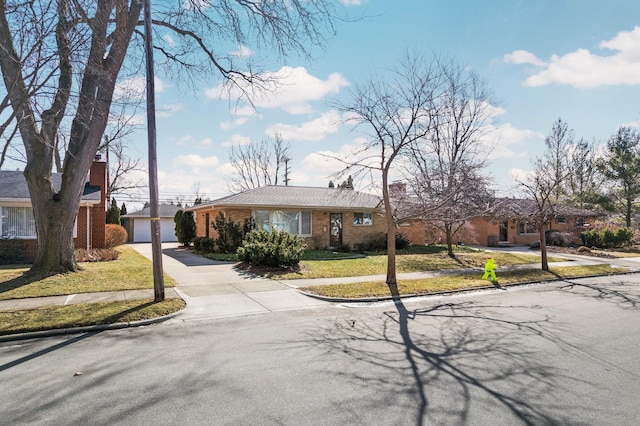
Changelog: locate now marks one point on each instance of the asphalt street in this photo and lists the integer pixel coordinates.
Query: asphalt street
(563, 353)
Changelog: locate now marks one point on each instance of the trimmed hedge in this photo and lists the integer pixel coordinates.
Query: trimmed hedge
(114, 235)
(12, 251)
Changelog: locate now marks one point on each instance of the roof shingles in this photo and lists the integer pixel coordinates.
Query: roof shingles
(298, 197)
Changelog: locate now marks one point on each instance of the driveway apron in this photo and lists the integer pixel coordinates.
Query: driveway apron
(217, 289)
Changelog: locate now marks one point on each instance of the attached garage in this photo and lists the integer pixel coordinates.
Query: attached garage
(138, 224)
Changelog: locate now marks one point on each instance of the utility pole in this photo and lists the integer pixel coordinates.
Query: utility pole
(286, 170)
(154, 207)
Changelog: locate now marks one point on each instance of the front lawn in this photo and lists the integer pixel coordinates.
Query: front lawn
(131, 271)
(377, 264)
(456, 282)
(55, 317)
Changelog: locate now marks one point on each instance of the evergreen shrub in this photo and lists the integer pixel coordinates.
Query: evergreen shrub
(277, 248)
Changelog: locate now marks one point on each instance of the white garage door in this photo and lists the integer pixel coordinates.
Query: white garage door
(142, 231)
(168, 230)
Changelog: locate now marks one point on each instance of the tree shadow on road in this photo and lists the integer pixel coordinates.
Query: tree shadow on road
(618, 292)
(452, 356)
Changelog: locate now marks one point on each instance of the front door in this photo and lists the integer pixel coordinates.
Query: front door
(504, 230)
(335, 226)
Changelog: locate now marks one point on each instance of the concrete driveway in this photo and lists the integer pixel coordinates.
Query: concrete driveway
(217, 289)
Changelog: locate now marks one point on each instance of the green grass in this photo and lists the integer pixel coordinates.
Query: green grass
(55, 317)
(377, 264)
(131, 271)
(456, 282)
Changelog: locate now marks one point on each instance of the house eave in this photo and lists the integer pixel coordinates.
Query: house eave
(280, 206)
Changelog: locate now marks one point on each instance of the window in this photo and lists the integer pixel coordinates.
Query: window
(561, 220)
(17, 222)
(580, 221)
(363, 219)
(295, 222)
(527, 228)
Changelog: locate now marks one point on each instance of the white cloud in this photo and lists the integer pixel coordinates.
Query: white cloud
(168, 110)
(205, 143)
(523, 57)
(351, 2)
(313, 130)
(135, 87)
(519, 175)
(195, 162)
(635, 123)
(185, 140)
(503, 141)
(242, 52)
(169, 40)
(583, 69)
(236, 140)
(289, 88)
(232, 124)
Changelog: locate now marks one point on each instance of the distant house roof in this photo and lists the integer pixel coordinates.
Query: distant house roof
(13, 187)
(302, 197)
(166, 211)
(527, 207)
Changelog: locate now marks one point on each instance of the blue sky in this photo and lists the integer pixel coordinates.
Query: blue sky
(578, 60)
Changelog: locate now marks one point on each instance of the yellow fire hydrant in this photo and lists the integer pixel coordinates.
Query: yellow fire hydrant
(490, 271)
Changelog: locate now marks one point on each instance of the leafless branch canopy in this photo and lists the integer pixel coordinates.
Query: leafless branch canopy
(257, 165)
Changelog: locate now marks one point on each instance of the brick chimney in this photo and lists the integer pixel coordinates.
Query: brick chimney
(98, 177)
(397, 190)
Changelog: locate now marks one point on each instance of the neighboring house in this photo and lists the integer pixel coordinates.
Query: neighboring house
(17, 213)
(138, 224)
(324, 217)
(514, 222)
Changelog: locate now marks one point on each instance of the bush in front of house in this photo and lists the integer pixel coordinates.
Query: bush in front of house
(13, 251)
(276, 248)
(96, 255)
(402, 242)
(230, 233)
(114, 235)
(562, 239)
(204, 244)
(607, 238)
(378, 242)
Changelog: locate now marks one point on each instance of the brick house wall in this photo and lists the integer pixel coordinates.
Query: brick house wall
(352, 235)
(97, 177)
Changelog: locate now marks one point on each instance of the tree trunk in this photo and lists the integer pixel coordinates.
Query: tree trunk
(391, 237)
(54, 212)
(543, 248)
(628, 212)
(449, 237)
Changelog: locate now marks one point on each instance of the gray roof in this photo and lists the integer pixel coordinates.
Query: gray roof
(13, 186)
(166, 211)
(527, 207)
(274, 196)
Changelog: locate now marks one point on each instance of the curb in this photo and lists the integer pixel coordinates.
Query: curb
(86, 329)
(449, 292)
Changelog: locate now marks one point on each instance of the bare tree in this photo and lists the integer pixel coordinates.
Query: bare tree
(394, 115)
(445, 173)
(63, 59)
(545, 181)
(257, 165)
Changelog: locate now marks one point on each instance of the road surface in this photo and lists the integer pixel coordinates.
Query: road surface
(565, 353)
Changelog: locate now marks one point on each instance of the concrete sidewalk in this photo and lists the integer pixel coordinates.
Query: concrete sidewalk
(217, 289)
